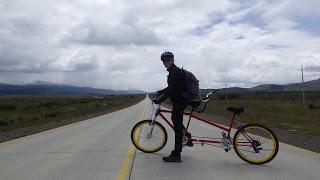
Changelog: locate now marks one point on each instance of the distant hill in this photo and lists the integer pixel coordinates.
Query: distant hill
(268, 87)
(41, 87)
(313, 85)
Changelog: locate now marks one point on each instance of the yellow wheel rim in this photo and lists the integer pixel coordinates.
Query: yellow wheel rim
(246, 151)
(147, 141)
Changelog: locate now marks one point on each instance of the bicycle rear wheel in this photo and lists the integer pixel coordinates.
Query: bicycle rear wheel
(149, 137)
(255, 144)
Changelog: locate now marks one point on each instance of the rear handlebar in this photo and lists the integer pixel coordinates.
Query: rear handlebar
(206, 100)
(208, 95)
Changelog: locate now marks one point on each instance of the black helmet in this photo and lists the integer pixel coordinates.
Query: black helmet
(166, 55)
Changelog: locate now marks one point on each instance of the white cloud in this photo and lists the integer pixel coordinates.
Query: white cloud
(117, 44)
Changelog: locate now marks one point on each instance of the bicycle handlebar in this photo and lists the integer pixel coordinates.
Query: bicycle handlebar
(206, 99)
(210, 93)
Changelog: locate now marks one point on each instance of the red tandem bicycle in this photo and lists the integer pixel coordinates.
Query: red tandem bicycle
(253, 143)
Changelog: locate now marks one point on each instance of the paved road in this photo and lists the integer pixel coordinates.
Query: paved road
(100, 148)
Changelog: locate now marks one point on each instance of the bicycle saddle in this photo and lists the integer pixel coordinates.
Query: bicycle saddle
(236, 110)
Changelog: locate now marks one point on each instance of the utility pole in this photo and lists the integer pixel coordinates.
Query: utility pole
(302, 85)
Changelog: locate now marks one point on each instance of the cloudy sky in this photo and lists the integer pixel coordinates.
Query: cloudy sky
(117, 44)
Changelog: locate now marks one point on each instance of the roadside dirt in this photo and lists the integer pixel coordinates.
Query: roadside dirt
(17, 133)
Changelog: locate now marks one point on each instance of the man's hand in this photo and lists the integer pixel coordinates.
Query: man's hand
(156, 101)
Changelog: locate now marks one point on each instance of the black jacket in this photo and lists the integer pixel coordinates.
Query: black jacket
(176, 85)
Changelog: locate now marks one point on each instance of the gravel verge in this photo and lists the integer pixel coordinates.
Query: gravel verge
(17, 133)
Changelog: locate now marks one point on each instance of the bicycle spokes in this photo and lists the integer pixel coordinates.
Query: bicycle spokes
(149, 137)
(255, 144)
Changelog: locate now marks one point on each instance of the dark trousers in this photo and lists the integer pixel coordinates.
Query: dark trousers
(177, 119)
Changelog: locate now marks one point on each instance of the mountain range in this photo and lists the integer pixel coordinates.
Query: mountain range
(42, 87)
(313, 85)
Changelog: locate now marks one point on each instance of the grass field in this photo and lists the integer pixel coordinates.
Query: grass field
(273, 113)
(22, 111)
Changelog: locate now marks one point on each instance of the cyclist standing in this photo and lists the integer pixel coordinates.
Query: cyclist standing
(175, 89)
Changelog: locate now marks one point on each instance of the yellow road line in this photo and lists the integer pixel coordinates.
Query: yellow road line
(128, 159)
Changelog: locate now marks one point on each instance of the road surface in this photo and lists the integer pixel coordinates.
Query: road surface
(100, 148)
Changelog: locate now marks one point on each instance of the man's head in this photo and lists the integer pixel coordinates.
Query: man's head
(167, 58)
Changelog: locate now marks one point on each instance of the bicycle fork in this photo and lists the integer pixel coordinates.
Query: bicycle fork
(151, 127)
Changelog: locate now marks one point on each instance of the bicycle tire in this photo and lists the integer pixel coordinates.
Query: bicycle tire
(255, 148)
(135, 140)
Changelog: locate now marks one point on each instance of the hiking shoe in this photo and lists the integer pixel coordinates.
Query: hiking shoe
(189, 143)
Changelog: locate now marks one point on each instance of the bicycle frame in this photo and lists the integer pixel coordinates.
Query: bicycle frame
(160, 112)
(247, 141)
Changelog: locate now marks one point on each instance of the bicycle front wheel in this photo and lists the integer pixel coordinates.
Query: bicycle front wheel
(149, 137)
(255, 144)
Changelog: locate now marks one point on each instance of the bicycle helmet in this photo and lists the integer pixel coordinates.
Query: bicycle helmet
(167, 54)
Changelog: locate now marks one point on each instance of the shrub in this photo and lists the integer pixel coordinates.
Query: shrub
(49, 104)
(35, 118)
(50, 114)
(311, 106)
(8, 107)
(5, 122)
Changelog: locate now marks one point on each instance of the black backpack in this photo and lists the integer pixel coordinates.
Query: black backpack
(192, 85)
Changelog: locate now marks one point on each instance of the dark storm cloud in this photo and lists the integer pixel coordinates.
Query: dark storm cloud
(120, 35)
(87, 66)
(313, 68)
(82, 62)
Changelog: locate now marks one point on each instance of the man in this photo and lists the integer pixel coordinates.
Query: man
(176, 86)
